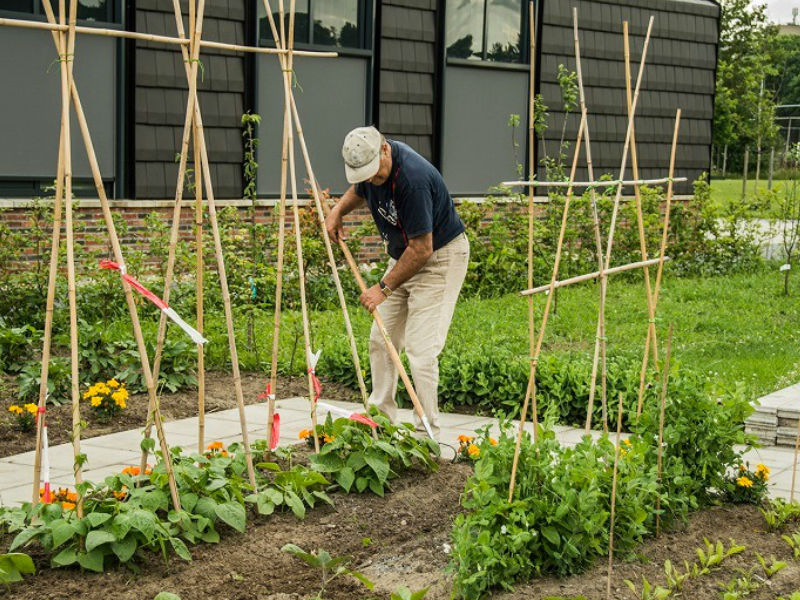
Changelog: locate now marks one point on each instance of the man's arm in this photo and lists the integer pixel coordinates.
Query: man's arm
(415, 255)
(349, 201)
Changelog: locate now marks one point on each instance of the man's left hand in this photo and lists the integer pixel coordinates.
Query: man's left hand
(372, 297)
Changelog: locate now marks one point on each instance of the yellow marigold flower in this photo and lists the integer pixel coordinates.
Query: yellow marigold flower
(122, 404)
(761, 468)
(493, 441)
(119, 396)
(112, 383)
(473, 451)
(744, 482)
(32, 408)
(97, 401)
(215, 446)
(327, 438)
(742, 468)
(626, 441)
(15, 409)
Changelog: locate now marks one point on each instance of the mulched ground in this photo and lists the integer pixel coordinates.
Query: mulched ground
(400, 540)
(183, 404)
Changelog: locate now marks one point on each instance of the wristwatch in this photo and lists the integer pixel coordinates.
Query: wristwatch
(387, 291)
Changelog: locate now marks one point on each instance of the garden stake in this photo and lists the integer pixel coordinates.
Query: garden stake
(112, 232)
(600, 336)
(595, 275)
(531, 168)
(613, 501)
(794, 464)
(48, 318)
(537, 351)
(66, 61)
(321, 215)
(198, 223)
(223, 278)
(617, 198)
(662, 250)
(651, 311)
(604, 183)
(664, 382)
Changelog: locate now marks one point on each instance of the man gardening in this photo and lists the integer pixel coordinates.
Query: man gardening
(429, 253)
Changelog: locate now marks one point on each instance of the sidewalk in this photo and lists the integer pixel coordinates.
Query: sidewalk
(109, 454)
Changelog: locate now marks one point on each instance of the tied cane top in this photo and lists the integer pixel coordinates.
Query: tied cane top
(413, 201)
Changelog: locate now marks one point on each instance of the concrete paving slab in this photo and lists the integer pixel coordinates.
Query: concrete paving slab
(61, 458)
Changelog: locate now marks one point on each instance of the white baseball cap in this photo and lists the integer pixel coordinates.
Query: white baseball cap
(362, 153)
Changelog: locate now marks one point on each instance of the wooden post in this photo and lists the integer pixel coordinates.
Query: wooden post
(662, 249)
(600, 336)
(548, 303)
(664, 382)
(618, 197)
(613, 501)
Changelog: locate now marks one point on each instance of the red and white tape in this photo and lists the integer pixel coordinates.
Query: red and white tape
(342, 412)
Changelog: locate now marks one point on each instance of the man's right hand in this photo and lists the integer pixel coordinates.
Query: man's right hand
(333, 223)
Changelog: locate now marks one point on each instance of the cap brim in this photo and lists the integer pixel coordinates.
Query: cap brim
(363, 173)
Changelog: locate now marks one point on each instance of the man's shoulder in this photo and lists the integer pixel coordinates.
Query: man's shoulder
(415, 170)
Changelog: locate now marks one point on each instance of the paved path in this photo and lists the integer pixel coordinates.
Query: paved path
(111, 453)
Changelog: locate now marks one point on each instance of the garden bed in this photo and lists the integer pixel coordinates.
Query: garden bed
(401, 540)
(180, 405)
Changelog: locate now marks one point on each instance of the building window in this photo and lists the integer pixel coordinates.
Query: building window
(99, 11)
(339, 23)
(491, 30)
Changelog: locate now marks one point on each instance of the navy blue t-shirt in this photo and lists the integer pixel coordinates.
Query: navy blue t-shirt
(412, 201)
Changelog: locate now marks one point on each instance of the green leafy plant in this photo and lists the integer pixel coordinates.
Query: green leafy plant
(403, 593)
(329, 567)
(794, 543)
(648, 591)
(13, 566)
(779, 512)
(746, 486)
(741, 586)
(356, 461)
(772, 567)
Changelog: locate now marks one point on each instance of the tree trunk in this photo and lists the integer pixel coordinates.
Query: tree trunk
(744, 169)
(725, 161)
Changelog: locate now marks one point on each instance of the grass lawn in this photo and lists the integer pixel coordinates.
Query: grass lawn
(736, 328)
(727, 192)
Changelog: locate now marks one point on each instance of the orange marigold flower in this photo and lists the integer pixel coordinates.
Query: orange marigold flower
(132, 471)
(68, 505)
(215, 446)
(493, 441)
(224, 453)
(327, 438)
(473, 451)
(304, 434)
(465, 439)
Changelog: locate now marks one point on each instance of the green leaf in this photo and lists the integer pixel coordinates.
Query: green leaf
(188, 502)
(125, 548)
(265, 507)
(293, 501)
(68, 556)
(147, 445)
(144, 522)
(302, 554)
(376, 487)
(95, 519)
(92, 561)
(167, 596)
(98, 537)
(345, 478)
(233, 514)
(23, 537)
(363, 579)
(61, 531)
(361, 484)
(207, 508)
(324, 497)
(378, 464)
(551, 534)
(180, 548)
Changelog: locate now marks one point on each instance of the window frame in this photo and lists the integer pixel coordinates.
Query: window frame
(365, 24)
(482, 60)
(114, 12)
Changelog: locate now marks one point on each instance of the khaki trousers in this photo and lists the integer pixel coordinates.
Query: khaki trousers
(417, 317)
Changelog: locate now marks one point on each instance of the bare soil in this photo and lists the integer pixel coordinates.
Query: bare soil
(402, 540)
(173, 406)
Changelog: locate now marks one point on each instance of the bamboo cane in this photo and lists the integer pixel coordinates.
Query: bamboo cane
(161, 39)
(615, 210)
(191, 67)
(531, 389)
(48, 318)
(198, 223)
(111, 228)
(600, 337)
(594, 275)
(794, 462)
(662, 250)
(651, 328)
(664, 382)
(591, 184)
(67, 56)
(276, 329)
(613, 501)
(223, 278)
(535, 357)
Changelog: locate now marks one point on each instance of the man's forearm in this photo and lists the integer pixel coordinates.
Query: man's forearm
(349, 202)
(411, 261)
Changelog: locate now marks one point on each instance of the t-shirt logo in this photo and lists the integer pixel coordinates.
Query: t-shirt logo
(389, 215)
